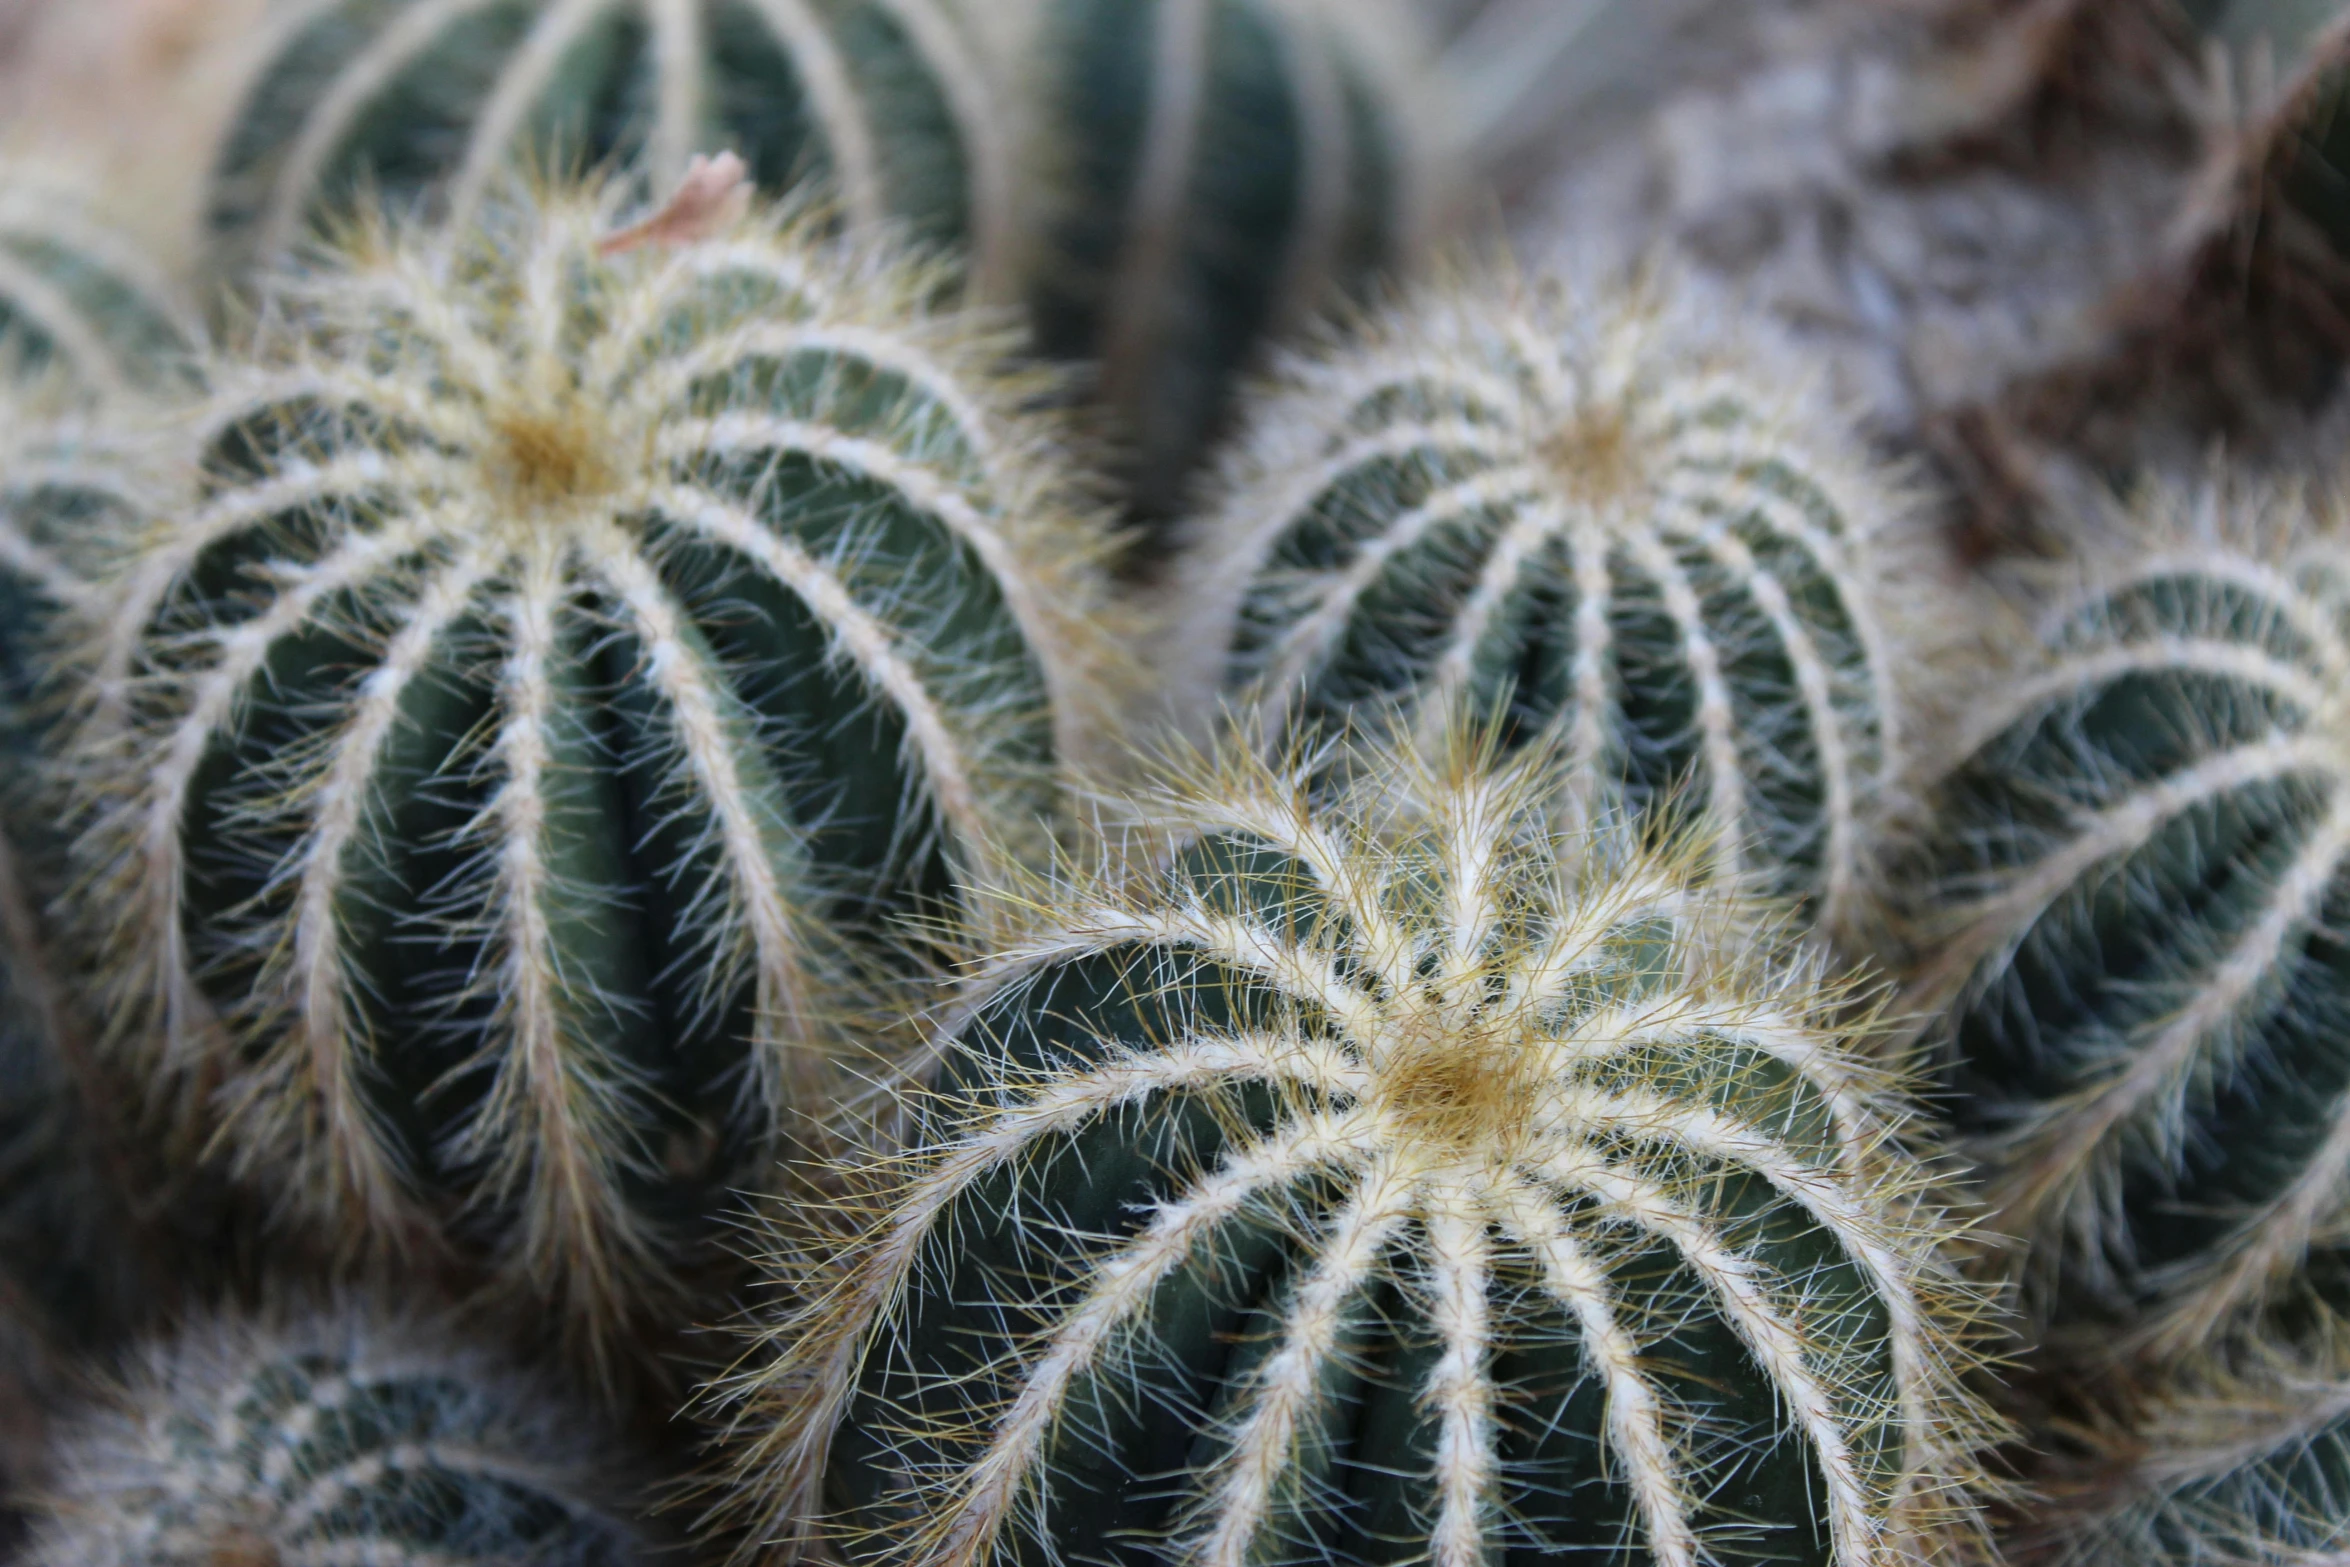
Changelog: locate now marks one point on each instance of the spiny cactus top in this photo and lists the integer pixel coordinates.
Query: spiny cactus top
(1594, 511)
(319, 1440)
(1217, 170)
(77, 299)
(888, 100)
(1401, 1180)
(562, 659)
(2247, 1467)
(2142, 862)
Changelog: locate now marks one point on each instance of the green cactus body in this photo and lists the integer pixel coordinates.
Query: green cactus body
(436, 100)
(2225, 1468)
(1591, 515)
(566, 662)
(1223, 169)
(337, 1438)
(78, 300)
(1393, 1180)
(2141, 862)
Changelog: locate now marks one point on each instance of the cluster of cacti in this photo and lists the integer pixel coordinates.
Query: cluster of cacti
(329, 1435)
(1397, 1136)
(1590, 511)
(1531, 989)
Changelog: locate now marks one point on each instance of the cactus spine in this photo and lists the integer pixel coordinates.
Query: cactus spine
(77, 300)
(1393, 1179)
(564, 660)
(340, 1436)
(889, 100)
(1223, 168)
(1594, 513)
(2141, 857)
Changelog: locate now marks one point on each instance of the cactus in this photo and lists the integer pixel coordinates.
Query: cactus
(2223, 1467)
(77, 299)
(1395, 1178)
(433, 101)
(332, 1436)
(572, 654)
(2137, 866)
(1599, 514)
(1218, 170)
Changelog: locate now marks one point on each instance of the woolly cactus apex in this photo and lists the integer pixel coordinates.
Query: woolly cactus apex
(1392, 1180)
(2247, 1468)
(436, 100)
(336, 1437)
(1222, 169)
(1596, 515)
(567, 660)
(79, 300)
(2140, 860)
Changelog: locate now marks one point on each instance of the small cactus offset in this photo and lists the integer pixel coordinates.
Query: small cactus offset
(437, 102)
(1594, 513)
(2140, 862)
(1392, 1179)
(2224, 1468)
(79, 301)
(1216, 171)
(573, 649)
(317, 1439)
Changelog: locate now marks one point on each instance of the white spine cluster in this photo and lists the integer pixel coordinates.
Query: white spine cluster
(1494, 1066)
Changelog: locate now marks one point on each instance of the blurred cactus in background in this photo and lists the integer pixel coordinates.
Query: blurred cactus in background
(1214, 172)
(433, 104)
(78, 299)
(338, 1434)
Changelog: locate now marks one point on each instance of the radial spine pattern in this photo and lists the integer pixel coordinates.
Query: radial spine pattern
(1397, 1180)
(343, 1436)
(1219, 170)
(1595, 513)
(2141, 862)
(77, 300)
(567, 661)
(887, 100)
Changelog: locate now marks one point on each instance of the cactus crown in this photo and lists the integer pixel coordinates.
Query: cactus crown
(566, 657)
(2141, 855)
(336, 1436)
(78, 300)
(1478, 1138)
(1597, 513)
(887, 99)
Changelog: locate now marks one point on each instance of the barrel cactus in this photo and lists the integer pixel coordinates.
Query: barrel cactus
(2139, 862)
(78, 300)
(337, 1435)
(571, 654)
(1590, 510)
(1391, 1179)
(435, 101)
(1215, 171)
